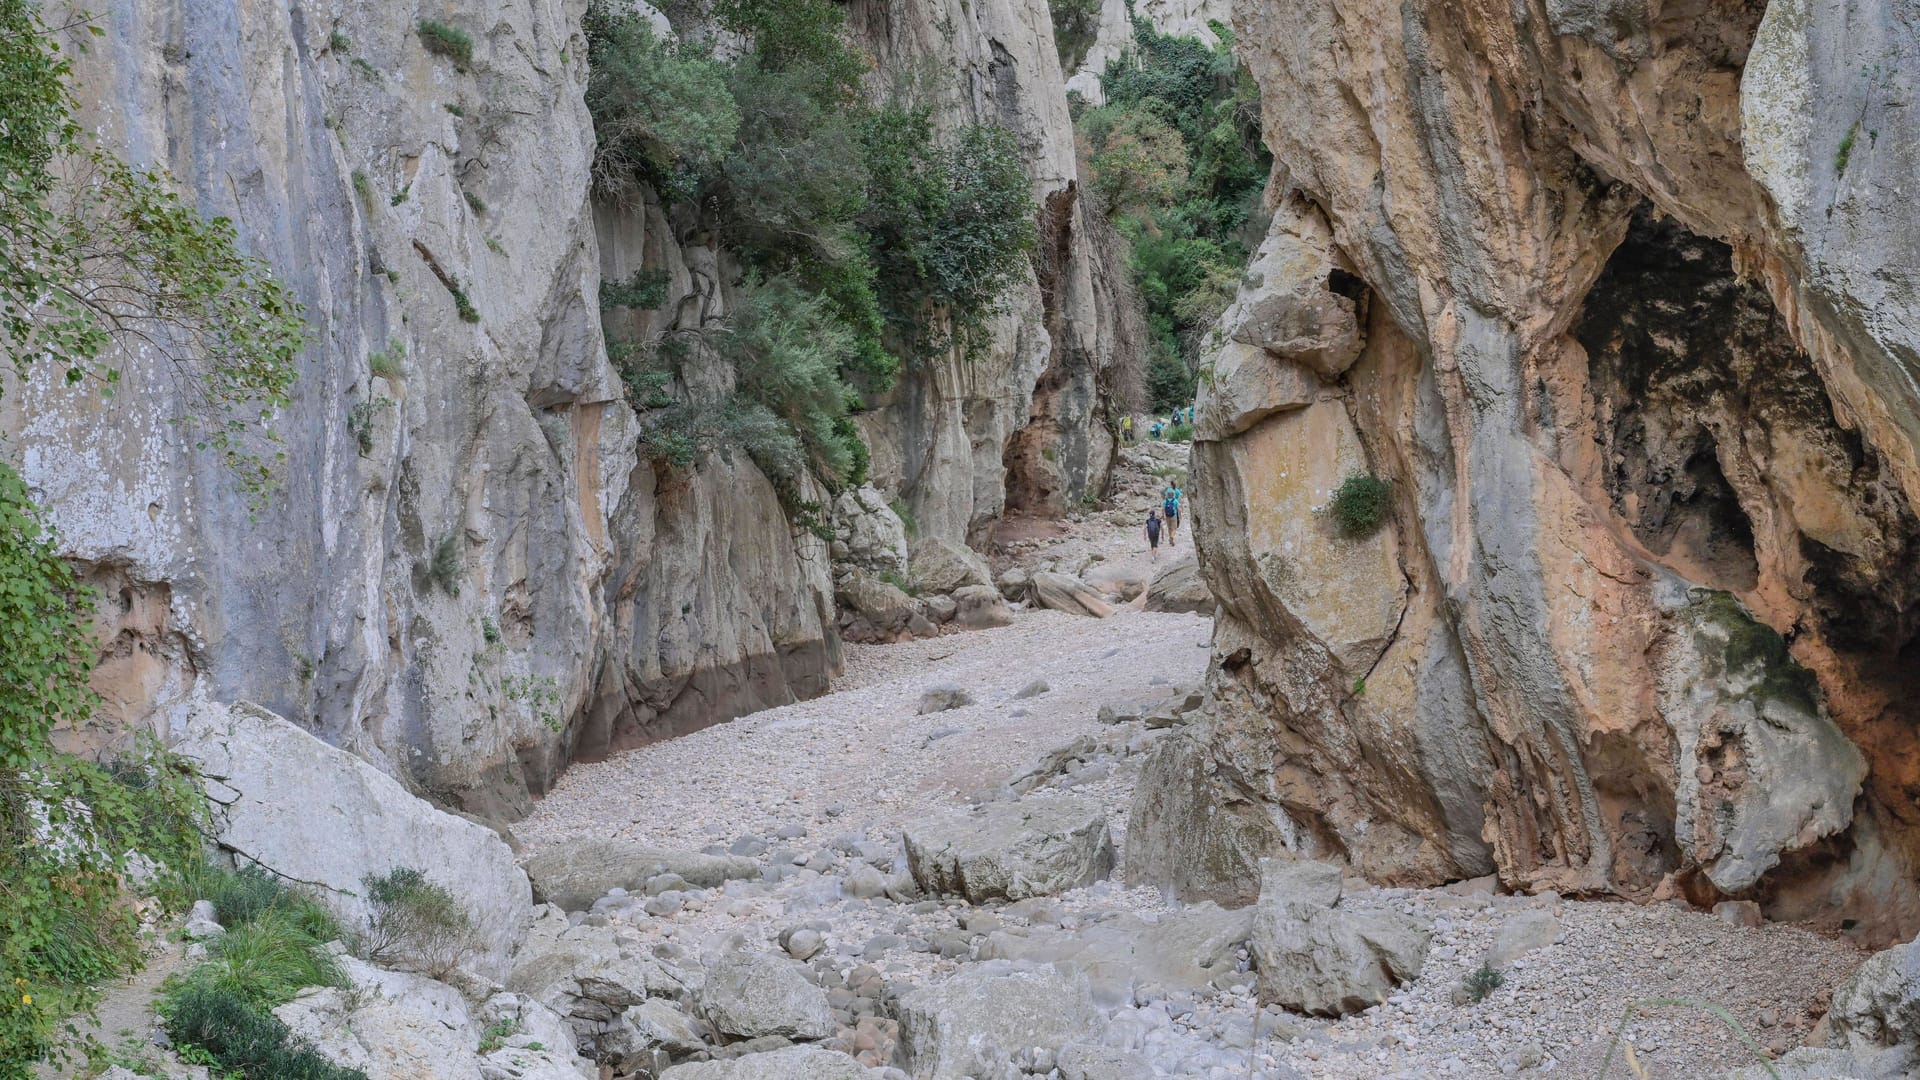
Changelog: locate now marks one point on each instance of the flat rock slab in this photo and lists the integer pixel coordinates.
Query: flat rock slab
(1520, 935)
(972, 1024)
(1011, 851)
(1177, 586)
(795, 1063)
(575, 874)
(317, 814)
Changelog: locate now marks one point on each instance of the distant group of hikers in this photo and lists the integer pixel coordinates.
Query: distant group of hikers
(1165, 516)
(1160, 427)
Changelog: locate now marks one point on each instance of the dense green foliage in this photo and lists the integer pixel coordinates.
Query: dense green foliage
(67, 828)
(113, 257)
(1360, 504)
(869, 239)
(220, 1027)
(101, 257)
(1174, 157)
(1076, 23)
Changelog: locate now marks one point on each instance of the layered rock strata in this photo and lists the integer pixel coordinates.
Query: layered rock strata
(1619, 308)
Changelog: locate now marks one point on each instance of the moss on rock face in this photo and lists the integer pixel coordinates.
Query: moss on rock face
(1754, 649)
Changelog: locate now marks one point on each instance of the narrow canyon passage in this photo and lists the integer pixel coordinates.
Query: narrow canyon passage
(818, 795)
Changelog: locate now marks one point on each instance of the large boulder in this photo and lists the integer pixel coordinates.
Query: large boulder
(875, 610)
(980, 607)
(793, 1063)
(394, 1026)
(972, 1024)
(1190, 832)
(593, 974)
(1316, 957)
(941, 566)
(1122, 579)
(575, 873)
(1178, 587)
(750, 995)
(316, 814)
(1011, 851)
(1064, 592)
(1876, 1014)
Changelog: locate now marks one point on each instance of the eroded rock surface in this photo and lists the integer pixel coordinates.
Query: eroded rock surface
(1595, 296)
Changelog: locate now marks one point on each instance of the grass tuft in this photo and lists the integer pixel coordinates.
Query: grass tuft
(1482, 982)
(448, 41)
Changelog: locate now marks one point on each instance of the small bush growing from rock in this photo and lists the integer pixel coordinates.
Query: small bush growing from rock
(1481, 982)
(241, 1041)
(417, 923)
(1359, 505)
(448, 41)
(268, 960)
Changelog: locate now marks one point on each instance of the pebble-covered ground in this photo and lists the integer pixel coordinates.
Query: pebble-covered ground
(820, 790)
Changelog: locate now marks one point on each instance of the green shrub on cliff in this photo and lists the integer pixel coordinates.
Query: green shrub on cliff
(869, 240)
(1360, 505)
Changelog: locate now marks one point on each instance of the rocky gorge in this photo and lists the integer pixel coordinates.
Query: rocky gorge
(1536, 642)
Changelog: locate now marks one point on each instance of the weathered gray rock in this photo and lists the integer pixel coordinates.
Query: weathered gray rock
(940, 609)
(1011, 851)
(941, 566)
(1063, 592)
(1742, 913)
(1521, 934)
(1876, 1014)
(881, 611)
(1013, 583)
(1033, 689)
(1316, 957)
(1119, 579)
(1178, 587)
(980, 607)
(1190, 832)
(945, 698)
(592, 974)
(1124, 956)
(973, 1023)
(1813, 1063)
(794, 1063)
(1091, 1061)
(656, 1024)
(575, 873)
(875, 537)
(751, 995)
(319, 815)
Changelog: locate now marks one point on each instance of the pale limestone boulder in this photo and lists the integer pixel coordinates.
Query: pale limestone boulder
(1521, 934)
(793, 1063)
(1316, 957)
(1876, 1013)
(875, 537)
(975, 1022)
(1185, 835)
(1178, 587)
(1011, 851)
(750, 995)
(879, 610)
(942, 566)
(980, 607)
(1064, 592)
(321, 816)
(575, 873)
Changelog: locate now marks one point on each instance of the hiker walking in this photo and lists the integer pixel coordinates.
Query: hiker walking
(1170, 506)
(1126, 429)
(1153, 534)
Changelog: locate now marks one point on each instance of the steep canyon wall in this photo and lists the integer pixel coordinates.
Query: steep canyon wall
(1620, 299)
(467, 573)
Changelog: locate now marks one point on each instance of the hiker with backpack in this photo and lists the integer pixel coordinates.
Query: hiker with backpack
(1170, 508)
(1153, 533)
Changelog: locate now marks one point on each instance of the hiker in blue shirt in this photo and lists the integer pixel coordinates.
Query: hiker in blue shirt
(1170, 507)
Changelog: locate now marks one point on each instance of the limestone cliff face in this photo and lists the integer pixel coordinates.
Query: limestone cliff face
(1623, 308)
(1020, 423)
(467, 575)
